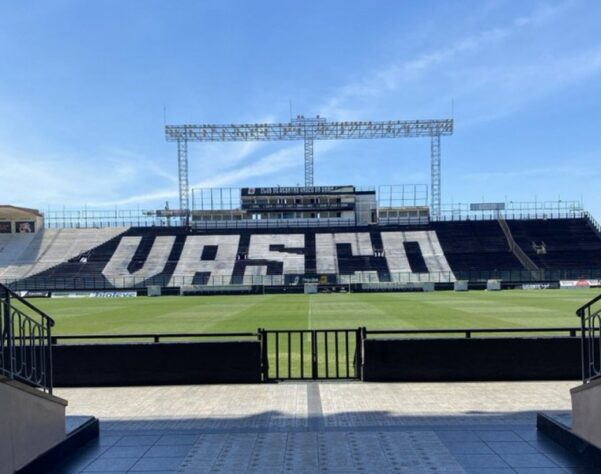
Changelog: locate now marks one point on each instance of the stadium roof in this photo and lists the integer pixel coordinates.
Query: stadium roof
(15, 211)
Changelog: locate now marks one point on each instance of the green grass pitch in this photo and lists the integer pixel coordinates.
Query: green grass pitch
(444, 309)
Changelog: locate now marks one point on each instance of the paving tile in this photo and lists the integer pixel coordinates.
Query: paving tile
(124, 452)
(498, 436)
(111, 465)
(480, 461)
(512, 447)
(157, 464)
(167, 451)
(486, 470)
(468, 447)
(169, 440)
(108, 440)
(457, 436)
(137, 440)
(565, 459)
(583, 470)
(539, 470)
(530, 434)
(528, 460)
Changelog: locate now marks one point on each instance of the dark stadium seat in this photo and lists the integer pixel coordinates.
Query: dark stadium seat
(472, 249)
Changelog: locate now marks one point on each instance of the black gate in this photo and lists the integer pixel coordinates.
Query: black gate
(311, 354)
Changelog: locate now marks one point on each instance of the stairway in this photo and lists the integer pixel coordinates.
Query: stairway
(527, 263)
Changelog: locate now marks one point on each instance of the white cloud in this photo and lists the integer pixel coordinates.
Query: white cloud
(507, 88)
(348, 103)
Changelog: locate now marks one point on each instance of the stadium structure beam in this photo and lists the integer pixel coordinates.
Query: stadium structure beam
(182, 162)
(308, 130)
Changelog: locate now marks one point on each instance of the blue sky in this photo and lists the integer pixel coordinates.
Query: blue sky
(83, 86)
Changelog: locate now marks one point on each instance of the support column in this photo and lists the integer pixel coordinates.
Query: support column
(308, 161)
(435, 176)
(182, 163)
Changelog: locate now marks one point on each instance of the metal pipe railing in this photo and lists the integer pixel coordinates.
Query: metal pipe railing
(590, 326)
(25, 341)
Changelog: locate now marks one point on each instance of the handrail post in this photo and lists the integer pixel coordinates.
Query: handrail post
(314, 368)
(361, 334)
(8, 331)
(49, 369)
(264, 362)
(580, 313)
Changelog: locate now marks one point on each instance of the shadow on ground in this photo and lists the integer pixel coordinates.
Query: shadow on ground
(347, 442)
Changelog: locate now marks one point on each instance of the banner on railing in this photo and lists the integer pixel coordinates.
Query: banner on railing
(579, 283)
(538, 286)
(94, 294)
(33, 294)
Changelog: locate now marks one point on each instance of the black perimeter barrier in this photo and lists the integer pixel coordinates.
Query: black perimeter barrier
(325, 354)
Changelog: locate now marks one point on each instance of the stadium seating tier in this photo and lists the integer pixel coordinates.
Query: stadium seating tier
(179, 256)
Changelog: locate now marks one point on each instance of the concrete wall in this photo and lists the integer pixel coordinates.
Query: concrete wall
(586, 412)
(92, 365)
(31, 422)
(438, 360)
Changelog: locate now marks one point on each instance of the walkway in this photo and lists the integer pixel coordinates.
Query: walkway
(323, 427)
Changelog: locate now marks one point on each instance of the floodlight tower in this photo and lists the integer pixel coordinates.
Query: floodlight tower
(308, 130)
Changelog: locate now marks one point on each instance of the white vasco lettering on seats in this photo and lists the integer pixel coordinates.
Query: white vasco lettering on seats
(327, 256)
(221, 268)
(434, 257)
(116, 269)
(293, 263)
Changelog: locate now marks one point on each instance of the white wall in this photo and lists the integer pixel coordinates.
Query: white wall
(586, 412)
(31, 422)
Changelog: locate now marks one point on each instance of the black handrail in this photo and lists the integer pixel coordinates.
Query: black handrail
(155, 337)
(469, 331)
(580, 311)
(23, 301)
(590, 325)
(25, 342)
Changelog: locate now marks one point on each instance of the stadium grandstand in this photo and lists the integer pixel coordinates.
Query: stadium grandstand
(284, 238)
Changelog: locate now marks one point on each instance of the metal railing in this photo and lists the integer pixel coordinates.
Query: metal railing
(273, 223)
(468, 333)
(590, 321)
(310, 354)
(155, 338)
(593, 221)
(25, 341)
(101, 282)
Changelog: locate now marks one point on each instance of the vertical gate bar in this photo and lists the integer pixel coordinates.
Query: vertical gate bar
(314, 354)
(289, 354)
(357, 351)
(325, 334)
(348, 371)
(336, 347)
(264, 354)
(302, 355)
(277, 355)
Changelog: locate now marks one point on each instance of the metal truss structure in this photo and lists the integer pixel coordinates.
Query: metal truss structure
(308, 130)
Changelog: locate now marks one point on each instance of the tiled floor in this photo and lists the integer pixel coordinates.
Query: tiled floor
(325, 427)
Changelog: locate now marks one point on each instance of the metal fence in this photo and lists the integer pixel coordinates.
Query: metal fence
(314, 354)
(388, 196)
(25, 341)
(101, 282)
(590, 320)
(310, 354)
